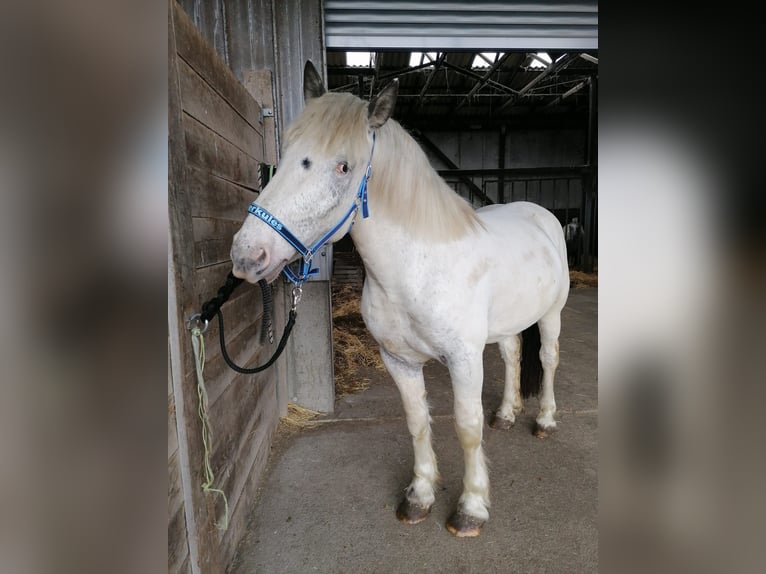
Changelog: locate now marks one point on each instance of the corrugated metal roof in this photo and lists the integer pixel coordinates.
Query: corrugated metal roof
(476, 26)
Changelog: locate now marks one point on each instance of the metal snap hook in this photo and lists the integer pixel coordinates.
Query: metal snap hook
(297, 294)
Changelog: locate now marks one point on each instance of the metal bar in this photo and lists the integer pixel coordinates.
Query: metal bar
(478, 85)
(466, 95)
(476, 76)
(501, 166)
(589, 180)
(518, 172)
(375, 75)
(553, 67)
(589, 58)
(587, 223)
(562, 63)
(455, 170)
(539, 59)
(565, 95)
(350, 71)
(589, 151)
(483, 57)
(431, 76)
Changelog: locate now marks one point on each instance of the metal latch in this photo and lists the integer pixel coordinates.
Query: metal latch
(267, 113)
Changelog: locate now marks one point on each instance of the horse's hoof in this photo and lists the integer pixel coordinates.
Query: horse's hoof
(463, 525)
(410, 513)
(499, 423)
(543, 431)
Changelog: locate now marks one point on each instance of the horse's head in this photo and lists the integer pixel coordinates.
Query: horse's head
(324, 158)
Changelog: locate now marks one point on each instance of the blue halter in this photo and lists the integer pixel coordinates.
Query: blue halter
(305, 271)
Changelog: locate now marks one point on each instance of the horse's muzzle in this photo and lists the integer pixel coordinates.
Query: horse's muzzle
(249, 265)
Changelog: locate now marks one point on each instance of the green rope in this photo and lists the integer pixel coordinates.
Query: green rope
(198, 343)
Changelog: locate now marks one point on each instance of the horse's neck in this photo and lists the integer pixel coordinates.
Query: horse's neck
(387, 249)
(413, 215)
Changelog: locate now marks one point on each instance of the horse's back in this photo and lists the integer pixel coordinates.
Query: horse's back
(503, 215)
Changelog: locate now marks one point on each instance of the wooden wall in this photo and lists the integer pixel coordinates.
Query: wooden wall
(241, 31)
(216, 146)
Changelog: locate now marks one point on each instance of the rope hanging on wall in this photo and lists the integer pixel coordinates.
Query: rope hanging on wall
(198, 344)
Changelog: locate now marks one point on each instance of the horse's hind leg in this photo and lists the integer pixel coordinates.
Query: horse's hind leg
(510, 351)
(420, 493)
(550, 328)
(472, 511)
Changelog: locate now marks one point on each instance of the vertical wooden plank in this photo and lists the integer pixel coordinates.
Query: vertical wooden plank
(298, 38)
(259, 84)
(239, 34)
(262, 35)
(203, 548)
(212, 25)
(249, 35)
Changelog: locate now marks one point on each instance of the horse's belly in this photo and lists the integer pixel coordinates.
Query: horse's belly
(507, 319)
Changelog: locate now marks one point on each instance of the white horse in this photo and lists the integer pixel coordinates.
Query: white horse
(442, 279)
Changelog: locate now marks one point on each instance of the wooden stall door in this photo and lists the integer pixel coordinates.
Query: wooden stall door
(216, 147)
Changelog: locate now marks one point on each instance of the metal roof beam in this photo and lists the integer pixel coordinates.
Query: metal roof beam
(554, 67)
(369, 72)
(479, 77)
(566, 94)
(479, 84)
(431, 76)
(452, 165)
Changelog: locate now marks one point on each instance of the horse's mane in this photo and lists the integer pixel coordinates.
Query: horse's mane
(403, 184)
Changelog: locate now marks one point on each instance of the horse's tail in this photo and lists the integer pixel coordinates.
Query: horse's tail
(531, 367)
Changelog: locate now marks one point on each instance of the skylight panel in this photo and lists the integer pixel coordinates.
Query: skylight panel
(418, 58)
(540, 60)
(360, 59)
(485, 59)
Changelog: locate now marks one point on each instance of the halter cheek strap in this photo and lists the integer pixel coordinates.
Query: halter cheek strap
(304, 270)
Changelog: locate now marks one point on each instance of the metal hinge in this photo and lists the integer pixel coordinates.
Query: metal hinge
(267, 113)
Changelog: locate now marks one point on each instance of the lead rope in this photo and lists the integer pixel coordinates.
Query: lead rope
(198, 344)
(197, 325)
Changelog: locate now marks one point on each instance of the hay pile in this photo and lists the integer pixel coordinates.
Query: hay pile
(354, 348)
(298, 417)
(581, 280)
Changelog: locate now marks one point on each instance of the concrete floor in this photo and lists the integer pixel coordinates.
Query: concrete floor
(328, 498)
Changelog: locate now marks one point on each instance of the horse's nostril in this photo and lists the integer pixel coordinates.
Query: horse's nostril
(255, 262)
(261, 260)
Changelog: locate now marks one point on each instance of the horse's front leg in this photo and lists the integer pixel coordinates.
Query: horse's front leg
(473, 508)
(419, 497)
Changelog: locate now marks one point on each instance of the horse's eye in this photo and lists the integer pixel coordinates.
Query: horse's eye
(341, 168)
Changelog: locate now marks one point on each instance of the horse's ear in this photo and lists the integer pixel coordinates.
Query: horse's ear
(312, 82)
(382, 106)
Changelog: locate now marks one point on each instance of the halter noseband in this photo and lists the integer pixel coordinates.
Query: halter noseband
(305, 271)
